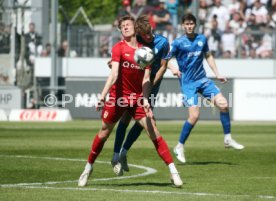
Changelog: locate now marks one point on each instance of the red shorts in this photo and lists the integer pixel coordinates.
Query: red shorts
(111, 113)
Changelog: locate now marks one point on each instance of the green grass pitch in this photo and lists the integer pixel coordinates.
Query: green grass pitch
(42, 162)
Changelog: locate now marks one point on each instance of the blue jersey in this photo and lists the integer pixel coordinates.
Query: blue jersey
(189, 54)
(160, 47)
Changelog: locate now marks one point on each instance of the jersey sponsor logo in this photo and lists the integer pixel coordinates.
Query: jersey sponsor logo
(194, 54)
(127, 64)
(200, 43)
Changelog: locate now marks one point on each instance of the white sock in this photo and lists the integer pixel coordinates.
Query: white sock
(115, 157)
(227, 137)
(172, 168)
(123, 152)
(179, 145)
(88, 167)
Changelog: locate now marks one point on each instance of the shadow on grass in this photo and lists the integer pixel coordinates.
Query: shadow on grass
(138, 184)
(207, 163)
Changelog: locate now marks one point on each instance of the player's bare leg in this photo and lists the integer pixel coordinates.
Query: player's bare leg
(221, 102)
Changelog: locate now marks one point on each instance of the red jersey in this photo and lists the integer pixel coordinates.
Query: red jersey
(130, 76)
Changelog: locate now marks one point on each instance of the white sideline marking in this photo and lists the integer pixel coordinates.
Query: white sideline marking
(147, 172)
(146, 191)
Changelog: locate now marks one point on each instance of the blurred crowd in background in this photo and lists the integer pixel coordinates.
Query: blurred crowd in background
(234, 28)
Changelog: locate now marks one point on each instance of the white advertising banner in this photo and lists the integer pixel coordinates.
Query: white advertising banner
(10, 98)
(3, 116)
(254, 100)
(53, 115)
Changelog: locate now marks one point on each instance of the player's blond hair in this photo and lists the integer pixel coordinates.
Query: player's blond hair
(142, 25)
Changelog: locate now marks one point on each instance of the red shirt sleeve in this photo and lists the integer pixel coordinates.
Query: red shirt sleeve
(116, 52)
(148, 67)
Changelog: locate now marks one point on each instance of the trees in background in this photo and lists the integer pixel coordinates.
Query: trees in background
(98, 11)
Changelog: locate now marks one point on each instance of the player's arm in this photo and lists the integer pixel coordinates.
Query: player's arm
(161, 71)
(211, 62)
(173, 69)
(112, 78)
(173, 51)
(146, 86)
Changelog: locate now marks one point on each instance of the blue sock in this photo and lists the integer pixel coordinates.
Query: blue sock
(132, 136)
(226, 122)
(186, 130)
(120, 136)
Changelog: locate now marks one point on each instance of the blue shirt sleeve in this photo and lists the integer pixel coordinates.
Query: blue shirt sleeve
(166, 48)
(206, 47)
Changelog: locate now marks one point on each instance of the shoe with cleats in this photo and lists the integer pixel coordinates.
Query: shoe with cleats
(123, 161)
(179, 153)
(84, 177)
(176, 180)
(230, 143)
(117, 168)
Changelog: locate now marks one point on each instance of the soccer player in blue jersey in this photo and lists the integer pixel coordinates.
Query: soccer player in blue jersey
(189, 51)
(160, 46)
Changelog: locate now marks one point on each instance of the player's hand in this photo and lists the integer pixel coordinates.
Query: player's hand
(176, 72)
(222, 79)
(100, 105)
(148, 109)
(109, 64)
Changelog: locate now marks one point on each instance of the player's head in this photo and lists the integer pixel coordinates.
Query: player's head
(126, 25)
(143, 28)
(189, 23)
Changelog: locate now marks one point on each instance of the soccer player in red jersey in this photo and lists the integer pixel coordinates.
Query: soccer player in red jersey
(129, 87)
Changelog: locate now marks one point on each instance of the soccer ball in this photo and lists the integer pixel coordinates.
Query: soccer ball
(143, 56)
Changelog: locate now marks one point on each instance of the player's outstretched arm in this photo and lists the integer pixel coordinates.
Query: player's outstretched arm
(211, 62)
(173, 69)
(112, 78)
(161, 71)
(146, 91)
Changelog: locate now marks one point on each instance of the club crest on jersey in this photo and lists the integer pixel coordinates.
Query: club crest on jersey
(155, 51)
(200, 43)
(105, 114)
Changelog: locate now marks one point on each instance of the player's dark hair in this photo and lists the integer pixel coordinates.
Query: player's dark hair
(142, 25)
(189, 17)
(124, 18)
